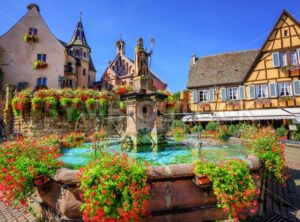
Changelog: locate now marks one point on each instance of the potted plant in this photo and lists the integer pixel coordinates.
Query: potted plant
(114, 188)
(39, 64)
(201, 174)
(40, 180)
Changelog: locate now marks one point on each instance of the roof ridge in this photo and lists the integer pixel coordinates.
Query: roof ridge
(226, 53)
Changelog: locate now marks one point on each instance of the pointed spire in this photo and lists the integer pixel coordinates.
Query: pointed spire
(78, 37)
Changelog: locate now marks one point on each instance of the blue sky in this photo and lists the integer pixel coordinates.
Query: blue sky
(180, 27)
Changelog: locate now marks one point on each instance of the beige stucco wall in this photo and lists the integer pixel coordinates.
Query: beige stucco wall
(22, 54)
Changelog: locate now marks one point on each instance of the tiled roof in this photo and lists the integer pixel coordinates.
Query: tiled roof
(222, 69)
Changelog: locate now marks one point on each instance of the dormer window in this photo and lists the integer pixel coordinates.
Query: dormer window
(285, 33)
(32, 31)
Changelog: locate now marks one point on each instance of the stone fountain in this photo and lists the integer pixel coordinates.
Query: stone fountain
(144, 122)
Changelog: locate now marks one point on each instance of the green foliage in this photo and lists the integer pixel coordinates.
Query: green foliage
(223, 133)
(197, 129)
(37, 104)
(73, 139)
(91, 106)
(180, 124)
(271, 153)
(51, 106)
(212, 126)
(232, 185)
(114, 187)
(21, 102)
(281, 131)
(20, 162)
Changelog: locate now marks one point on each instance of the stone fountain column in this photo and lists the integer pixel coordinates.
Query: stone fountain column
(144, 125)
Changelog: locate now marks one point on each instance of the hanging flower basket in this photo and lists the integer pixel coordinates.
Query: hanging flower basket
(31, 38)
(40, 65)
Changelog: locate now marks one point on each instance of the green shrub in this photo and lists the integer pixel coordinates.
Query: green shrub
(223, 133)
(212, 126)
(197, 129)
(180, 124)
(281, 131)
(114, 188)
(232, 185)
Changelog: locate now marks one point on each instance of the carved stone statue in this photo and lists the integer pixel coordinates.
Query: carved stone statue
(141, 59)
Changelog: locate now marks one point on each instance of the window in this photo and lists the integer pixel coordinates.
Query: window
(285, 33)
(84, 72)
(89, 78)
(84, 54)
(203, 95)
(77, 52)
(41, 57)
(282, 58)
(32, 31)
(232, 93)
(293, 57)
(262, 91)
(42, 81)
(284, 89)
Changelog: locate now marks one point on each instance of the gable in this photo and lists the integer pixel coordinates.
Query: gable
(262, 67)
(277, 39)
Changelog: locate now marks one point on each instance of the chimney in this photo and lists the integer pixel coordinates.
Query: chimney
(120, 46)
(193, 59)
(32, 5)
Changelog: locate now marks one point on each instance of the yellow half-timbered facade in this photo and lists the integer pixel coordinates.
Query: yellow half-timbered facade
(264, 79)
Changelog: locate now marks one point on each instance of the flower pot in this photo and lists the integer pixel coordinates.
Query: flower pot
(202, 181)
(40, 180)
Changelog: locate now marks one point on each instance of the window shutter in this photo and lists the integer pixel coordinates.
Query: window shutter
(298, 56)
(211, 94)
(223, 94)
(296, 87)
(242, 92)
(44, 81)
(194, 96)
(273, 89)
(252, 91)
(276, 62)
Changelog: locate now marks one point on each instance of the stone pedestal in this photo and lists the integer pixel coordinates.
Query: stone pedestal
(142, 83)
(144, 126)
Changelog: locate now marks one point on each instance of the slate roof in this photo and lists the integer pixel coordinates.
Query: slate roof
(222, 69)
(78, 37)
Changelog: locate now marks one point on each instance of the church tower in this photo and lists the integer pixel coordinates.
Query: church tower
(79, 49)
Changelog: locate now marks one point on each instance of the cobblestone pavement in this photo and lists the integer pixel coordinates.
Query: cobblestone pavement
(11, 214)
(284, 201)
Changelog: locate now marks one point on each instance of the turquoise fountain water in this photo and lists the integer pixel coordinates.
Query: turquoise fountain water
(172, 154)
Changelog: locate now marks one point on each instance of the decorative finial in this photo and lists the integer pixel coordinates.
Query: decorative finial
(80, 14)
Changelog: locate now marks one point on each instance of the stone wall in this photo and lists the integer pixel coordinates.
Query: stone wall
(174, 197)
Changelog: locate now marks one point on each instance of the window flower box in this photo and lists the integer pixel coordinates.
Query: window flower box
(289, 68)
(235, 104)
(286, 98)
(205, 106)
(40, 65)
(263, 102)
(31, 38)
